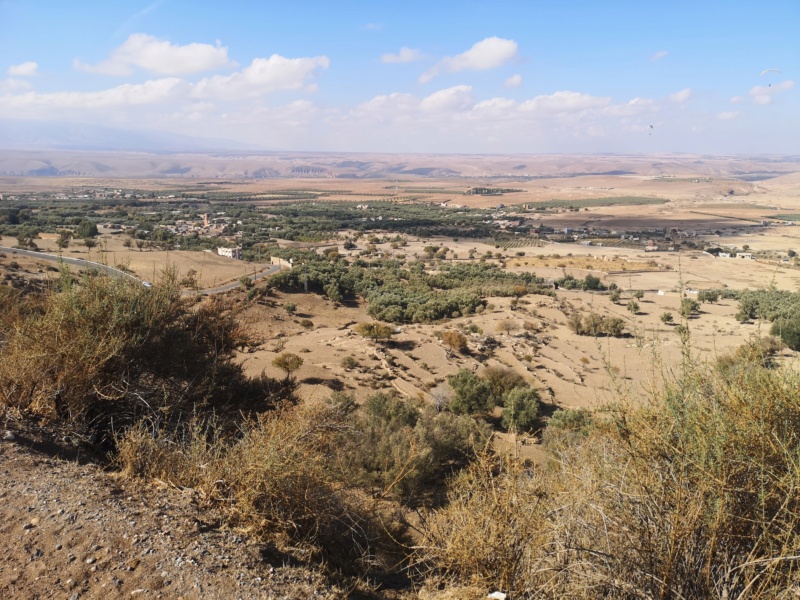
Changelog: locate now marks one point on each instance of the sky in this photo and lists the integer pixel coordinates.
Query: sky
(499, 77)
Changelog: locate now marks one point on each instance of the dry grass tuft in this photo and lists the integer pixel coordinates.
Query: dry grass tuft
(695, 495)
(274, 481)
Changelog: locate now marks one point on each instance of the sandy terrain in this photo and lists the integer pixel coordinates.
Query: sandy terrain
(71, 530)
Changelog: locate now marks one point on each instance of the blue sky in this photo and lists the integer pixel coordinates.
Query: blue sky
(507, 76)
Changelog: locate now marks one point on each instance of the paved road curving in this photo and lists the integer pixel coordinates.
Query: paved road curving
(114, 272)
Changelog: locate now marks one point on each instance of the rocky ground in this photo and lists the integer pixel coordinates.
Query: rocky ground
(71, 530)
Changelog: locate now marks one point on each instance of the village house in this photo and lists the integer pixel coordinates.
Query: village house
(235, 252)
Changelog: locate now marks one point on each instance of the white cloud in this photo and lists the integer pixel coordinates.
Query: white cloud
(487, 54)
(373, 26)
(406, 55)
(387, 104)
(659, 55)
(26, 69)
(264, 75)
(514, 81)
(681, 96)
(737, 100)
(161, 57)
(564, 102)
(497, 108)
(14, 86)
(451, 99)
(633, 107)
(728, 115)
(762, 94)
(150, 92)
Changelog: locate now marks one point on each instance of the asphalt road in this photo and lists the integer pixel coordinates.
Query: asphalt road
(113, 272)
(230, 286)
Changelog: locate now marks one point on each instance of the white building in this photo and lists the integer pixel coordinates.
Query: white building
(231, 252)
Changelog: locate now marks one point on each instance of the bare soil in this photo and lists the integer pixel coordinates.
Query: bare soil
(72, 530)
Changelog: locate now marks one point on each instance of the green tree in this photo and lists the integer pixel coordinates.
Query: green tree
(290, 307)
(666, 318)
(288, 362)
(688, 307)
(471, 394)
(638, 294)
(63, 240)
(590, 282)
(788, 330)
(375, 331)
(633, 307)
(333, 292)
(501, 381)
(87, 229)
(708, 296)
(615, 295)
(521, 409)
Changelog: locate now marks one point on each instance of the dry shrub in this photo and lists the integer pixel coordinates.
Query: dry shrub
(398, 449)
(455, 340)
(492, 531)
(694, 495)
(273, 481)
(106, 350)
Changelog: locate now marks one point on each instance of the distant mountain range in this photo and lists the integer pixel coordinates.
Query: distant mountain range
(48, 149)
(45, 135)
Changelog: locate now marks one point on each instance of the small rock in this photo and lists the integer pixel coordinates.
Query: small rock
(497, 596)
(59, 546)
(28, 526)
(91, 560)
(9, 436)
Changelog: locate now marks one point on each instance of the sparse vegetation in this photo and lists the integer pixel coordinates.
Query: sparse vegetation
(287, 362)
(375, 331)
(711, 462)
(455, 340)
(596, 325)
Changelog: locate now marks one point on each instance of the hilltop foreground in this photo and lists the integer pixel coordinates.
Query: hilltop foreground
(72, 530)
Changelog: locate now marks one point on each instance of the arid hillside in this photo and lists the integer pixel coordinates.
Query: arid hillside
(407, 167)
